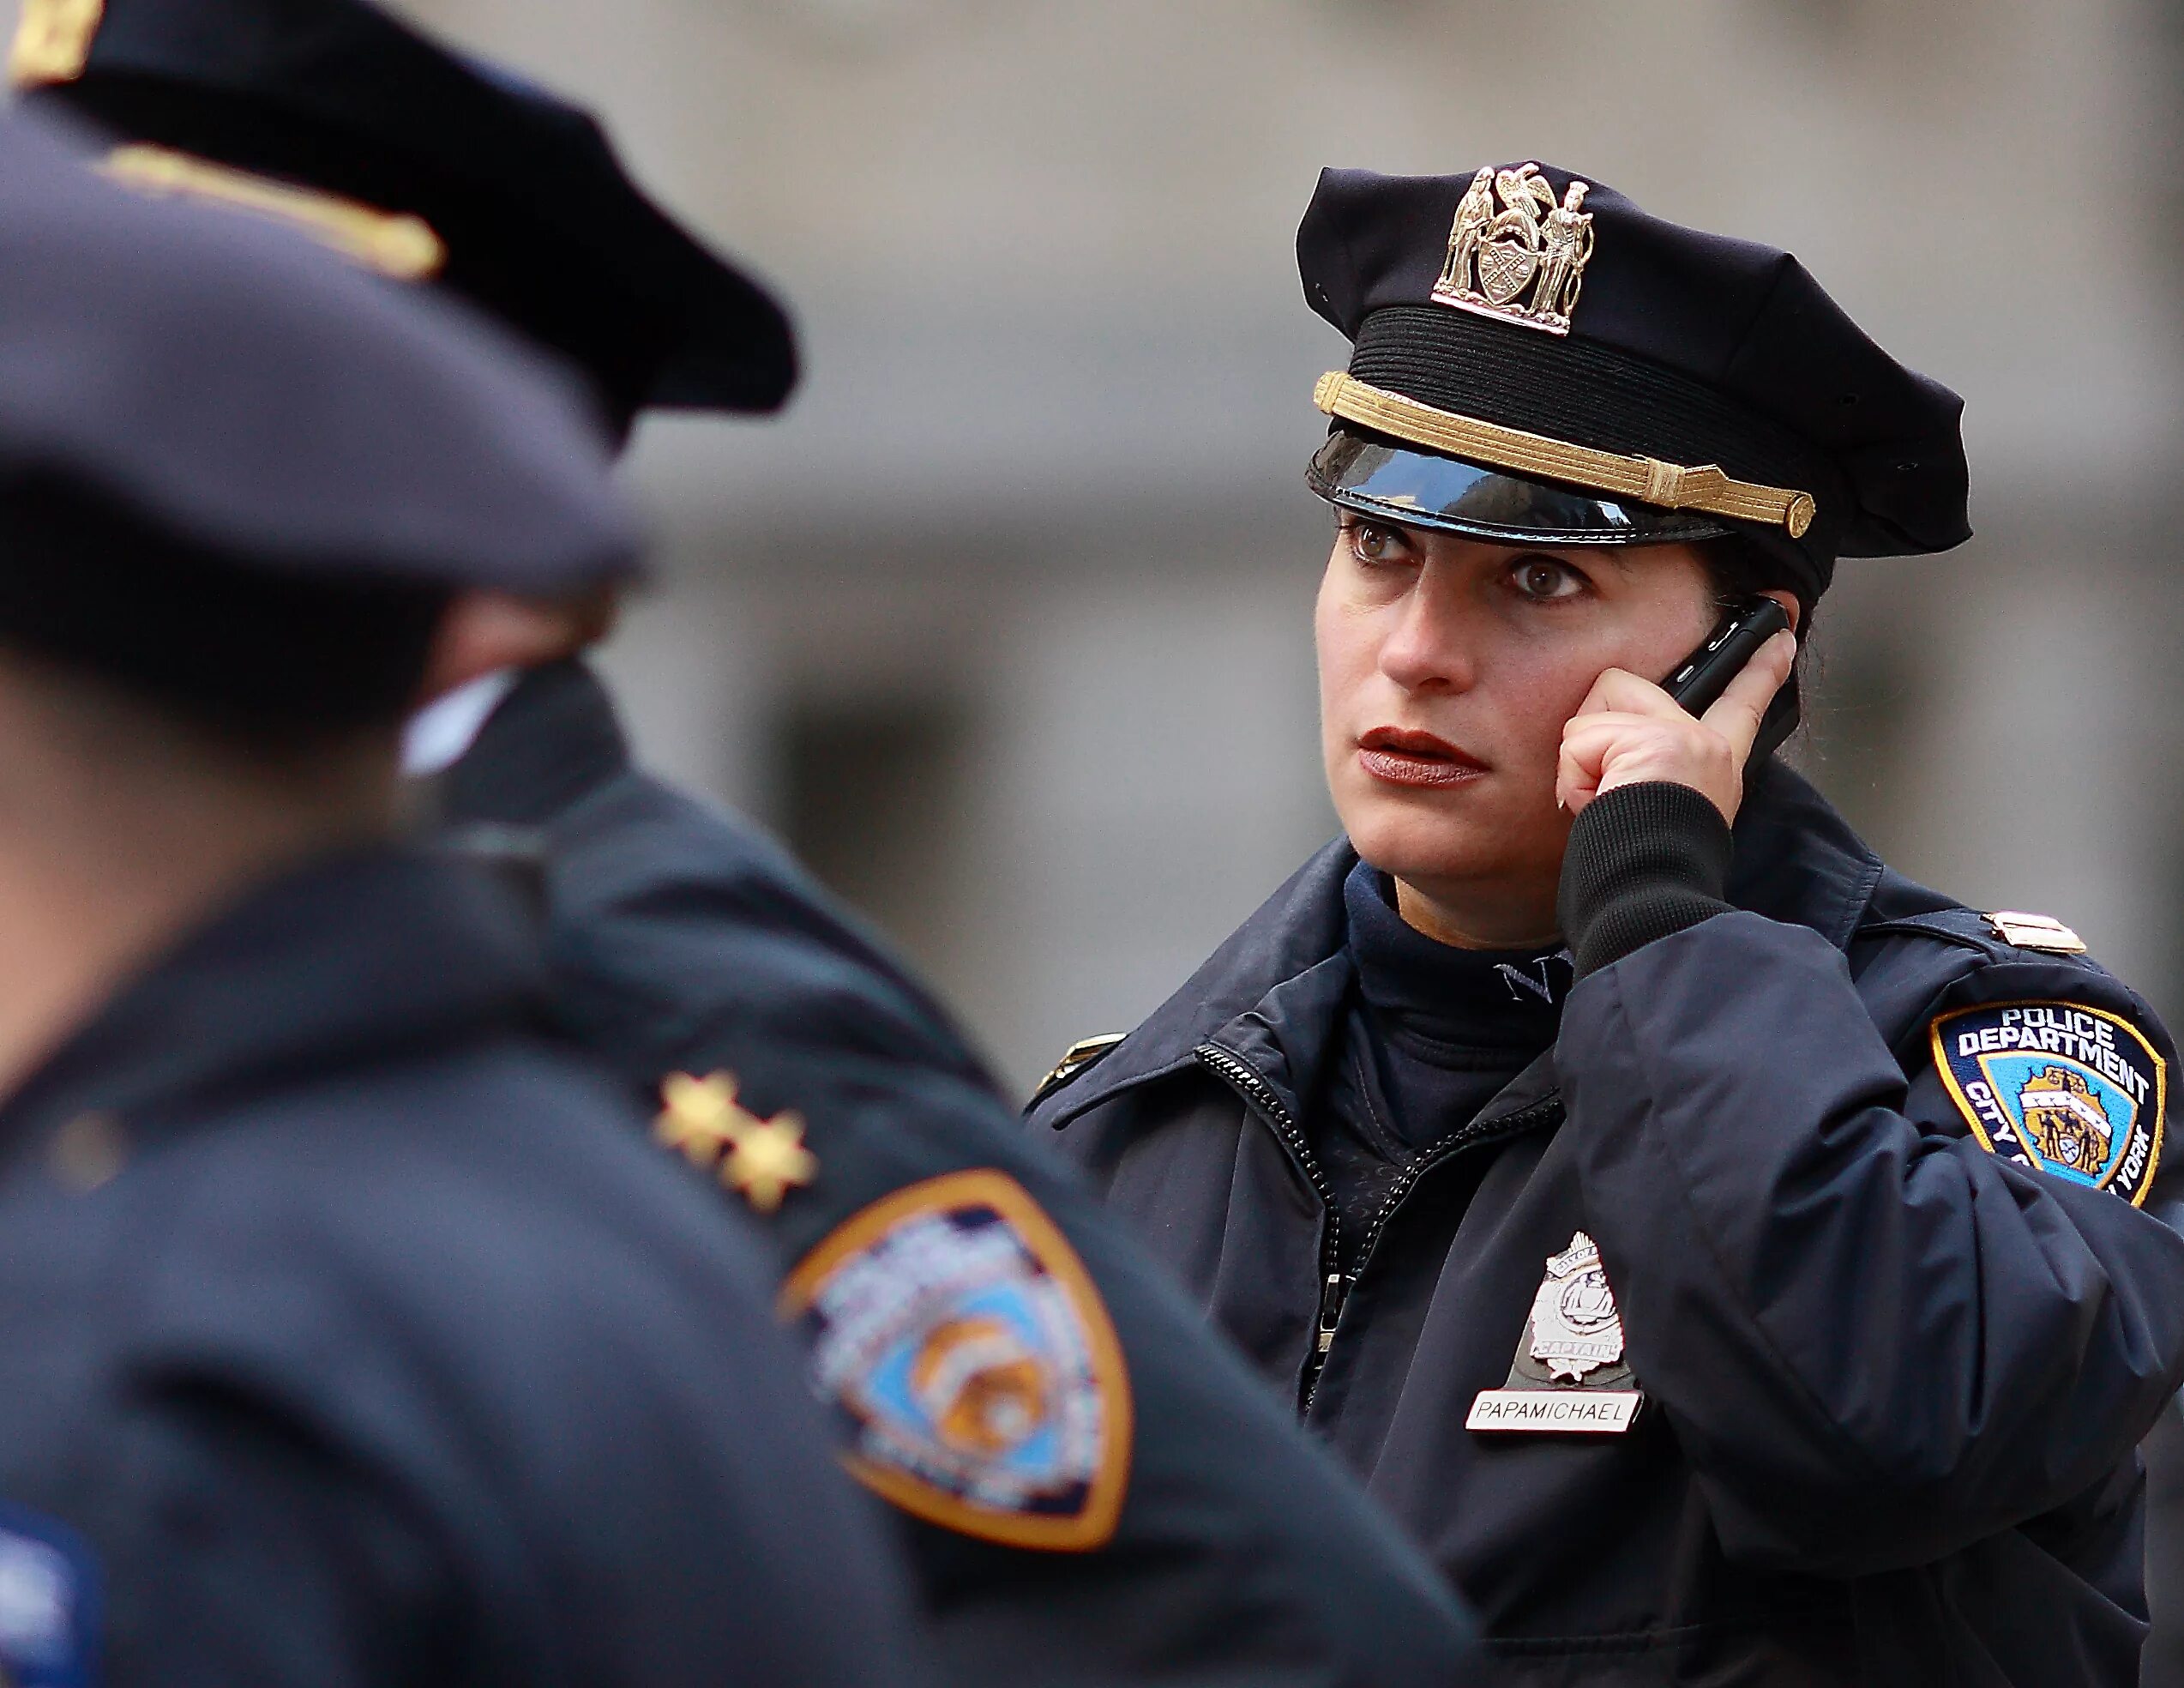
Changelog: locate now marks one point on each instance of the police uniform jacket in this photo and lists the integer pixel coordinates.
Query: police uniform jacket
(1204, 1541)
(350, 1337)
(1894, 1380)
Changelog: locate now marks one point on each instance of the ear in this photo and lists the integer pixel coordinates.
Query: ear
(485, 631)
(1788, 602)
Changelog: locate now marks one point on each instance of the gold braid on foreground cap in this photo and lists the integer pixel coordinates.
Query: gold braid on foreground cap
(1646, 479)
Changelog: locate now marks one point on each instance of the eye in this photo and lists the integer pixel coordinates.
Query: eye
(1369, 542)
(1545, 579)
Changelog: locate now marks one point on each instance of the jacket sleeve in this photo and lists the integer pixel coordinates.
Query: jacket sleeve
(1876, 1339)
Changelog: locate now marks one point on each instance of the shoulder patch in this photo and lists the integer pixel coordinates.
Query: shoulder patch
(971, 1363)
(49, 1602)
(2066, 1090)
(1079, 1055)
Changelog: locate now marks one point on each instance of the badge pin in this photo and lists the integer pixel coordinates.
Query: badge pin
(1516, 253)
(762, 1160)
(1569, 1374)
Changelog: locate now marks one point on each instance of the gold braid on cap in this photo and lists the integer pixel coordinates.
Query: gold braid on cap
(393, 242)
(1647, 480)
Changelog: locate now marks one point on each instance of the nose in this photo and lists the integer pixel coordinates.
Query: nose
(1426, 649)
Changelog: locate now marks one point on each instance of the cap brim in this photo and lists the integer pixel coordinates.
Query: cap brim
(1376, 475)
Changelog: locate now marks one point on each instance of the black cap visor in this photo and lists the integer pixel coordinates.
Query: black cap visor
(1376, 475)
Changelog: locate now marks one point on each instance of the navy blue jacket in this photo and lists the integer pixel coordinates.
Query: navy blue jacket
(682, 941)
(1895, 1380)
(348, 1334)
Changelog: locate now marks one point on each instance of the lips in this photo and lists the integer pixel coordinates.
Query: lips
(1401, 758)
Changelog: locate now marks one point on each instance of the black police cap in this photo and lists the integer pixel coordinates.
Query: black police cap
(204, 419)
(431, 165)
(1577, 371)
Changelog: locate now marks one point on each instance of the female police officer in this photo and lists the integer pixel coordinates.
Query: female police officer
(1735, 1262)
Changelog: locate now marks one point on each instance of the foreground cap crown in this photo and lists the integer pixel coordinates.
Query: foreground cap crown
(527, 209)
(236, 388)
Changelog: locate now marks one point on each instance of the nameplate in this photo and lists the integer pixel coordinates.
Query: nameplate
(1596, 1411)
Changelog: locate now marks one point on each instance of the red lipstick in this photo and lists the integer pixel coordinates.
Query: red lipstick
(1402, 757)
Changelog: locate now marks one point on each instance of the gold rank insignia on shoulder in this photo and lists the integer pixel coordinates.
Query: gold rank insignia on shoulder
(53, 41)
(762, 1160)
(1515, 253)
(2034, 932)
(1076, 1057)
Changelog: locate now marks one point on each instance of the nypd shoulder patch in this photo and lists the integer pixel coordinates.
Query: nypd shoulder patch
(2070, 1090)
(49, 1602)
(971, 1363)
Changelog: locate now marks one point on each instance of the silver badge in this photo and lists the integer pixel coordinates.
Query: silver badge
(1575, 1328)
(1569, 1373)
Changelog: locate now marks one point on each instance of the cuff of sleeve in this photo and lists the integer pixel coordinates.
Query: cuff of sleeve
(1644, 861)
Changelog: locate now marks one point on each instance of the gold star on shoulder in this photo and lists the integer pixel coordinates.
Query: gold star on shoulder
(762, 1160)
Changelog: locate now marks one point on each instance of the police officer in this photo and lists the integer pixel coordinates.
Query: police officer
(1090, 1491)
(347, 1334)
(1735, 1262)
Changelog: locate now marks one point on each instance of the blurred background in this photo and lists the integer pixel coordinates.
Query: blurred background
(1005, 627)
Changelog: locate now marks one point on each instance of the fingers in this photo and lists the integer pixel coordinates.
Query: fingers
(1632, 741)
(1737, 715)
(1619, 689)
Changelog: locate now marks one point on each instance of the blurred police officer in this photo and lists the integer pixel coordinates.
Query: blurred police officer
(1091, 1490)
(1737, 1262)
(346, 1333)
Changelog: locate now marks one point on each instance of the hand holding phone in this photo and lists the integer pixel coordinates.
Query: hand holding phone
(1726, 700)
(1699, 681)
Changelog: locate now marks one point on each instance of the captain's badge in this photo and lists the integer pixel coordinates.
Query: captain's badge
(1569, 1374)
(1515, 252)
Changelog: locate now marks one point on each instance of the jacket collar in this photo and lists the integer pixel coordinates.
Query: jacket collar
(1797, 861)
(552, 741)
(347, 959)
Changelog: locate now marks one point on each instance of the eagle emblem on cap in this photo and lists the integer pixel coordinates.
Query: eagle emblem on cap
(1515, 252)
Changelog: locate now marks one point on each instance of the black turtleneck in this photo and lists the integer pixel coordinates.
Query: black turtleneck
(1431, 1034)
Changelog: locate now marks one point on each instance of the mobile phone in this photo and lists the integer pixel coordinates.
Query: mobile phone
(1701, 677)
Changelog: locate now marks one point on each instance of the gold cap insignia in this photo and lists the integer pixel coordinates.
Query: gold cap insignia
(53, 41)
(762, 1160)
(1524, 262)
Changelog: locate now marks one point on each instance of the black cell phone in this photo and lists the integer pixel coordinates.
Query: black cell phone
(1699, 681)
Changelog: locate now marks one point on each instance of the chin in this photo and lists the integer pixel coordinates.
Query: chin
(1421, 842)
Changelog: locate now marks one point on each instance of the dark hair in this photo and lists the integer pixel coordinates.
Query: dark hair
(273, 663)
(1737, 567)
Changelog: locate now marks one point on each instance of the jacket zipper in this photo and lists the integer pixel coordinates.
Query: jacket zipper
(1338, 1288)
(1260, 1098)
(1335, 1286)
(1470, 1136)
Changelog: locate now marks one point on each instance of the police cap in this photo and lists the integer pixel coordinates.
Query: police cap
(208, 426)
(1537, 359)
(425, 165)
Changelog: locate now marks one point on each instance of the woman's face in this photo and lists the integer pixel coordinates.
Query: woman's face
(1447, 667)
